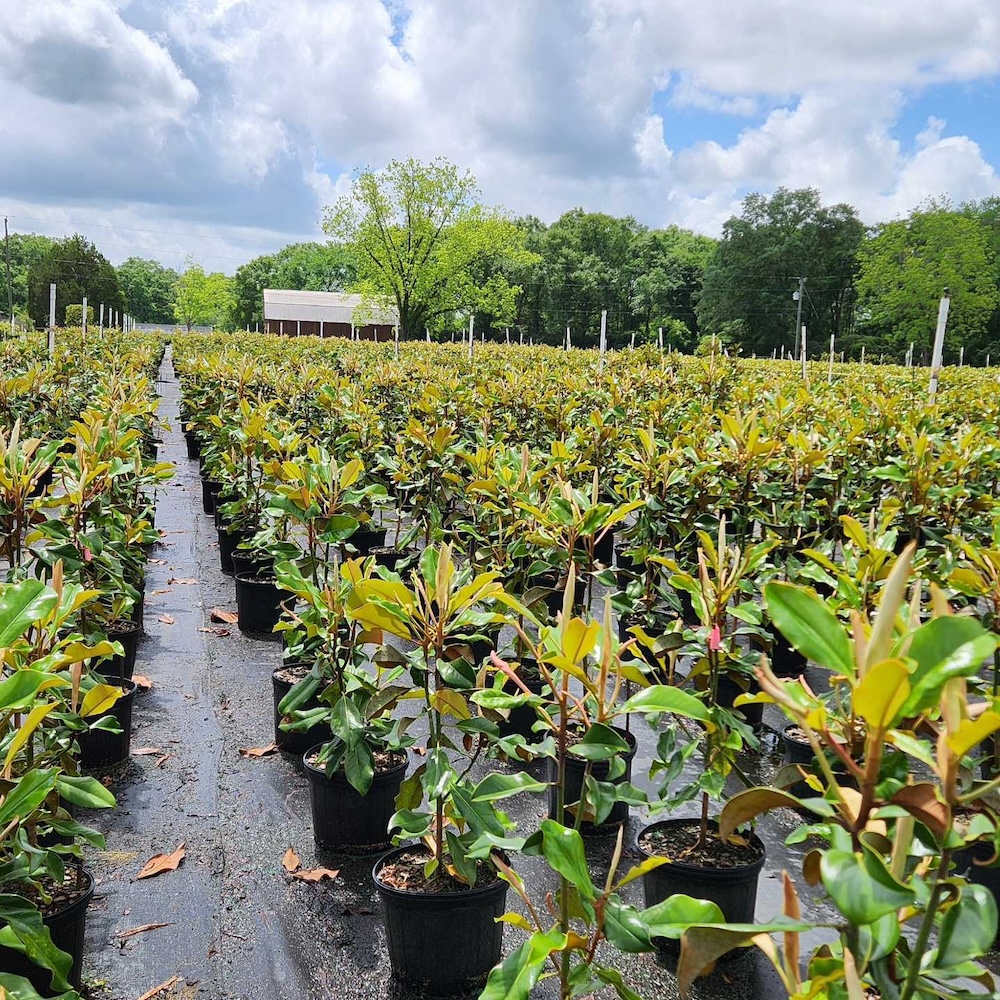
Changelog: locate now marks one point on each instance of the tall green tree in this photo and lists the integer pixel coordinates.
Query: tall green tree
(203, 299)
(25, 250)
(78, 269)
(422, 241)
(987, 213)
(763, 252)
(906, 265)
(148, 289)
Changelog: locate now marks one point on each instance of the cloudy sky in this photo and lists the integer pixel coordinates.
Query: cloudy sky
(219, 128)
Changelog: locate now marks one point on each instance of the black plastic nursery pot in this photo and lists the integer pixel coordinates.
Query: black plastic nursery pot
(523, 717)
(345, 819)
(295, 742)
(209, 489)
(980, 874)
(389, 556)
(444, 942)
(127, 633)
(98, 747)
(728, 691)
(67, 927)
(786, 661)
(252, 562)
(366, 539)
(575, 771)
(193, 444)
(228, 541)
(258, 604)
(733, 889)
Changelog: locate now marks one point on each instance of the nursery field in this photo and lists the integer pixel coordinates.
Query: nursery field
(333, 669)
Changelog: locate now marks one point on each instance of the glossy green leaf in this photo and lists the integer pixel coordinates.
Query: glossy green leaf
(809, 625)
(21, 605)
(563, 850)
(674, 915)
(862, 892)
(517, 975)
(27, 795)
(32, 938)
(499, 786)
(968, 927)
(624, 926)
(664, 698)
(84, 791)
(18, 691)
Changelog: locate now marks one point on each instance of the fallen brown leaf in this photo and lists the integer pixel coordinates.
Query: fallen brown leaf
(159, 863)
(221, 615)
(420, 751)
(316, 874)
(183, 581)
(166, 619)
(140, 930)
(162, 590)
(142, 682)
(258, 751)
(162, 988)
(157, 562)
(146, 751)
(222, 632)
(163, 759)
(291, 862)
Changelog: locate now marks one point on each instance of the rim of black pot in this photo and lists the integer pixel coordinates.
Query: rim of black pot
(464, 894)
(690, 868)
(321, 771)
(252, 577)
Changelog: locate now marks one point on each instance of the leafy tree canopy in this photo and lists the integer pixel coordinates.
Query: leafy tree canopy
(422, 241)
(906, 265)
(764, 250)
(203, 299)
(148, 289)
(78, 270)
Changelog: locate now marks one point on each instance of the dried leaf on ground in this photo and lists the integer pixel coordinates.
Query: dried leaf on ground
(142, 682)
(316, 874)
(184, 581)
(291, 862)
(160, 863)
(258, 751)
(162, 988)
(146, 751)
(140, 930)
(162, 590)
(166, 619)
(222, 632)
(221, 615)
(157, 562)
(162, 760)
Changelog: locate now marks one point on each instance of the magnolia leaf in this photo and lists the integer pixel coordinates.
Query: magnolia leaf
(750, 803)
(291, 861)
(809, 625)
(315, 874)
(100, 699)
(882, 693)
(160, 863)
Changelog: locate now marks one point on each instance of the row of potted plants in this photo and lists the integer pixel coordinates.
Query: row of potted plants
(77, 478)
(370, 640)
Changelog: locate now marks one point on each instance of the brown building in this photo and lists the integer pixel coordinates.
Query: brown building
(325, 314)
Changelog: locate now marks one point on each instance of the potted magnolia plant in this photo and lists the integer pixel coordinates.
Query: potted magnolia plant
(442, 895)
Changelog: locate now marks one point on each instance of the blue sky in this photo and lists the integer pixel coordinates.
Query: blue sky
(219, 129)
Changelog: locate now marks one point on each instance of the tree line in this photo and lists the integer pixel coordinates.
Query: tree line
(418, 237)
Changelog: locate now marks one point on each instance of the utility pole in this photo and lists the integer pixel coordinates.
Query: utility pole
(798, 296)
(10, 287)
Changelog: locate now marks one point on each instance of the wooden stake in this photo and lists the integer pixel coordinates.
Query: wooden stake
(942, 323)
(52, 320)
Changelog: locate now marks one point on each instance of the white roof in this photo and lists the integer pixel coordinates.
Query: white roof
(328, 307)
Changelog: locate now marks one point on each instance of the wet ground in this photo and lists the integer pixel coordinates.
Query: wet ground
(238, 927)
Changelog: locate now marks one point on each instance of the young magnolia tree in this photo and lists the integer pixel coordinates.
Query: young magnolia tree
(423, 242)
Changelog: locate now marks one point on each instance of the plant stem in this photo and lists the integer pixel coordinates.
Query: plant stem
(926, 925)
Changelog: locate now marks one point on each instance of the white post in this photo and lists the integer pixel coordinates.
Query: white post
(482, 336)
(395, 339)
(961, 356)
(100, 329)
(604, 339)
(805, 377)
(52, 320)
(521, 341)
(829, 374)
(942, 323)
(862, 353)
(909, 355)
(632, 340)
(506, 333)
(568, 339)
(472, 337)
(659, 338)
(987, 361)
(427, 332)
(453, 336)
(531, 341)
(774, 353)
(83, 320)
